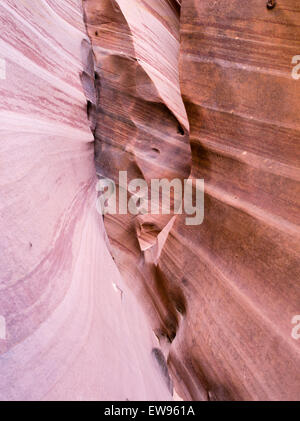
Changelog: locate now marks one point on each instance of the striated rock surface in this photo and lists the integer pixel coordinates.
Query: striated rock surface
(160, 89)
(204, 88)
(242, 264)
(73, 330)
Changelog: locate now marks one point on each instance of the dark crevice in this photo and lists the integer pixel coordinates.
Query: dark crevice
(88, 108)
(162, 363)
(180, 129)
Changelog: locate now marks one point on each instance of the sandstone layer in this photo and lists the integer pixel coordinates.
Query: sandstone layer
(127, 308)
(73, 330)
(204, 89)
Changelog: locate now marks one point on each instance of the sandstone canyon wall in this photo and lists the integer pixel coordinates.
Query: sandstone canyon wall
(220, 296)
(73, 331)
(160, 89)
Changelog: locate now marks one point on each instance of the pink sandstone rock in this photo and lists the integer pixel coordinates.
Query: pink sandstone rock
(74, 331)
(161, 89)
(205, 90)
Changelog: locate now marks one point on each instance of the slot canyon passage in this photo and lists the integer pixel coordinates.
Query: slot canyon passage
(146, 307)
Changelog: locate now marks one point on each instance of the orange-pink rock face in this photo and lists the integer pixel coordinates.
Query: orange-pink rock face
(220, 296)
(243, 108)
(72, 328)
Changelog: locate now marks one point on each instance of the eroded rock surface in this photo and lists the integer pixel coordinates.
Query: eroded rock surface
(73, 330)
(168, 89)
(220, 296)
